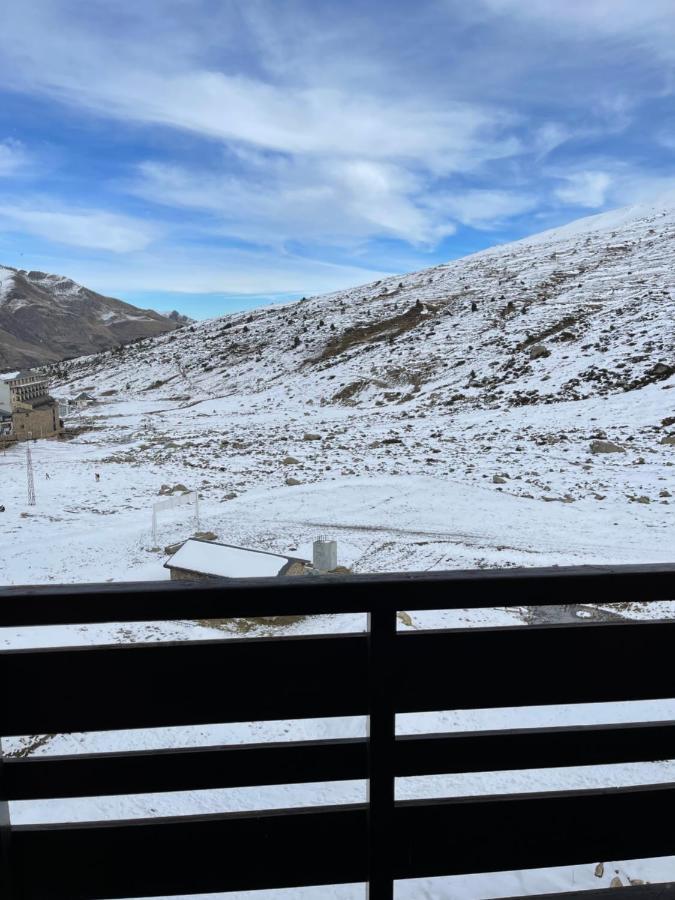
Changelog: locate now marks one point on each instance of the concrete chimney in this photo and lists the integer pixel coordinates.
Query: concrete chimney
(325, 554)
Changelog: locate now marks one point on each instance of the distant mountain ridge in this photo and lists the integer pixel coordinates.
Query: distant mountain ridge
(46, 318)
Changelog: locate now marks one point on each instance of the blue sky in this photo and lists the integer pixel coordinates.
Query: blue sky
(209, 155)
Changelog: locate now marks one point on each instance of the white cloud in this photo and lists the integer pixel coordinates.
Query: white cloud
(335, 201)
(588, 189)
(13, 157)
(485, 208)
(549, 136)
(305, 110)
(644, 21)
(87, 228)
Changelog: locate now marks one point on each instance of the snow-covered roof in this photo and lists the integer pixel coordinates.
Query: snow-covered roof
(227, 561)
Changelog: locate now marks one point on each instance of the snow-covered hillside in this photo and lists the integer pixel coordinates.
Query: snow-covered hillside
(596, 298)
(440, 419)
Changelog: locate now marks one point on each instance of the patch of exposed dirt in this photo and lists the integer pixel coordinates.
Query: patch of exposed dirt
(385, 329)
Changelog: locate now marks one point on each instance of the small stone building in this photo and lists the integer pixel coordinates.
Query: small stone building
(198, 560)
(37, 419)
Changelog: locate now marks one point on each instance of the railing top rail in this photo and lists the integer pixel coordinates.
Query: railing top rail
(333, 594)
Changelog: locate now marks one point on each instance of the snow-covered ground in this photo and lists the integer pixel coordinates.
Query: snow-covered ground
(421, 436)
(429, 502)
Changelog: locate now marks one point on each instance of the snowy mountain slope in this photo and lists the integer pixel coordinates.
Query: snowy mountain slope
(49, 317)
(580, 312)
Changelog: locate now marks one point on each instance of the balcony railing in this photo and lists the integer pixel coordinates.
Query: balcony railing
(378, 673)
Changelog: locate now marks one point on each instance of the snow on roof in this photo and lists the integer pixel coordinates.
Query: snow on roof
(226, 561)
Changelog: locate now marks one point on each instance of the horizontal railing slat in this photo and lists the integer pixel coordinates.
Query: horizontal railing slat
(201, 768)
(512, 832)
(84, 775)
(286, 848)
(192, 855)
(534, 665)
(534, 748)
(188, 683)
(183, 683)
(471, 589)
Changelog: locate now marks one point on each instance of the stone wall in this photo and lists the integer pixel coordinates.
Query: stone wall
(42, 421)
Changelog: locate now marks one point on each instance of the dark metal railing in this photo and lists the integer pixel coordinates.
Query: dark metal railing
(378, 673)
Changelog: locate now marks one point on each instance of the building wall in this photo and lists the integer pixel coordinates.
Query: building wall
(41, 422)
(5, 394)
(185, 575)
(296, 568)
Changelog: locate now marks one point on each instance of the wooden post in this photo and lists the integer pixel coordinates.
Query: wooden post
(381, 750)
(5, 872)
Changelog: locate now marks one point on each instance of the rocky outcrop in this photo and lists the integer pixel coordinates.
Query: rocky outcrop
(606, 447)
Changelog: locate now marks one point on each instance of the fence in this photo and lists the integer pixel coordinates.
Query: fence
(378, 673)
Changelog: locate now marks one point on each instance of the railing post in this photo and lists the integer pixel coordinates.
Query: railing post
(381, 749)
(5, 871)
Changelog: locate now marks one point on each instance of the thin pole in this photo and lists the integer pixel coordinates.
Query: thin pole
(381, 750)
(29, 473)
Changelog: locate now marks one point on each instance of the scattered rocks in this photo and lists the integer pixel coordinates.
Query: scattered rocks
(231, 496)
(290, 461)
(606, 447)
(205, 536)
(173, 548)
(311, 437)
(292, 481)
(167, 490)
(668, 439)
(498, 479)
(539, 352)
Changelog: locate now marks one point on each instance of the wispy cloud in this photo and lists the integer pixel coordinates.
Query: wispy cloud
(276, 200)
(13, 157)
(586, 189)
(294, 116)
(86, 228)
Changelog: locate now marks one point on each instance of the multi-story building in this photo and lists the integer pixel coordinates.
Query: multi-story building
(34, 414)
(26, 387)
